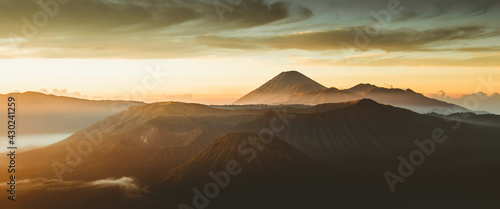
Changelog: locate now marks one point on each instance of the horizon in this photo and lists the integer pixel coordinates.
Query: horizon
(221, 99)
(190, 98)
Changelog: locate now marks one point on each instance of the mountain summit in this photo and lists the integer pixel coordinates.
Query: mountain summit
(281, 88)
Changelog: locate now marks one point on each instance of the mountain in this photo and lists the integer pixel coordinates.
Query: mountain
(407, 99)
(134, 142)
(326, 155)
(361, 140)
(294, 88)
(47, 114)
(367, 134)
(280, 89)
(164, 135)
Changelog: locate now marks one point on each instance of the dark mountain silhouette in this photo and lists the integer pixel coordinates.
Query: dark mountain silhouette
(172, 147)
(295, 88)
(368, 134)
(280, 89)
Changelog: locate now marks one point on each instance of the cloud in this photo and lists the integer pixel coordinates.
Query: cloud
(384, 61)
(76, 94)
(131, 29)
(355, 38)
(62, 92)
(155, 29)
(151, 18)
(439, 95)
(126, 184)
(44, 91)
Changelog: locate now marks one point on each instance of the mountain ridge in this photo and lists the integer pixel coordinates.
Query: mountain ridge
(273, 92)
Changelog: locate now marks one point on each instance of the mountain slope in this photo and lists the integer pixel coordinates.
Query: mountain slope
(270, 161)
(330, 95)
(247, 172)
(141, 139)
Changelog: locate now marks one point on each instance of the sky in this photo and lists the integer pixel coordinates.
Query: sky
(215, 51)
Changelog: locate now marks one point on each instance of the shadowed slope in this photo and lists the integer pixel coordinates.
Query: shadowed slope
(273, 167)
(370, 134)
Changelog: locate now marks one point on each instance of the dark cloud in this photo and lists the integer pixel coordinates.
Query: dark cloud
(380, 61)
(356, 37)
(130, 29)
(101, 17)
(190, 28)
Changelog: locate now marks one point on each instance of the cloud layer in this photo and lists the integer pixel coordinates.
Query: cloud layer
(194, 28)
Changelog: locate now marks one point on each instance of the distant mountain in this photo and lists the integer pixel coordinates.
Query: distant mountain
(281, 89)
(46, 114)
(407, 99)
(295, 88)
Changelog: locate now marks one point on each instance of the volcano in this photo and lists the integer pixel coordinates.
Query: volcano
(281, 89)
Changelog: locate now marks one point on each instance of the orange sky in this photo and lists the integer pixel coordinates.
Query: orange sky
(221, 80)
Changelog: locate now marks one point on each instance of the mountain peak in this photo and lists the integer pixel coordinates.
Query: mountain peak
(293, 78)
(291, 73)
(280, 88)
